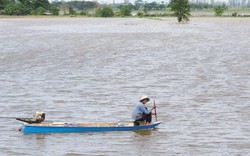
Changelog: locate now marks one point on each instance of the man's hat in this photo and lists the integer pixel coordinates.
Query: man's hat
(144, 97)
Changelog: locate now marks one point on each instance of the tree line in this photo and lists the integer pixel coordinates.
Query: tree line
(41, 7)
(27, 7)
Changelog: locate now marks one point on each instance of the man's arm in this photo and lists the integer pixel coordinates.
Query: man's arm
(144, 110)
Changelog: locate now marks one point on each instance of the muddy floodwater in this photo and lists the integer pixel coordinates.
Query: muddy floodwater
(95, 70)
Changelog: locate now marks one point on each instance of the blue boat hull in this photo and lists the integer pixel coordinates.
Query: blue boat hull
(30, 128)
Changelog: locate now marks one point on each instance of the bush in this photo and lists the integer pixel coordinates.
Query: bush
(40, 11)
(72, 11)
(83, 13)
(140, 14)
(54, 10)
(145, 10)
(16, 9)
(125, 10)
(107, 12)
(234, 14)
(218, 11)
(104, 12)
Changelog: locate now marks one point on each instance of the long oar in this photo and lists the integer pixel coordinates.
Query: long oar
(155, 112)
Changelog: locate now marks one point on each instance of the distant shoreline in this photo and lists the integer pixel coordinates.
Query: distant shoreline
(194, 13)
(41, 17)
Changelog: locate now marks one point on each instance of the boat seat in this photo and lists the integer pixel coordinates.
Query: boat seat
(139, 123)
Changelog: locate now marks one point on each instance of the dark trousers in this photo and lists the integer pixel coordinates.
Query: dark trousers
(146, 117)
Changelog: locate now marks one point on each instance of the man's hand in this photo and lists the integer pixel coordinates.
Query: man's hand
(154, 107)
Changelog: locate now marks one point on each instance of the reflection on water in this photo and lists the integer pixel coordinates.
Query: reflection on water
(143, 132)
(94, 70)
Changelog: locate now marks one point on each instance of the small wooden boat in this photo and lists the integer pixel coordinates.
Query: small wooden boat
(75, 127)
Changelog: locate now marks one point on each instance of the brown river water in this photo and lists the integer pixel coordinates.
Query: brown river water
(95, 70)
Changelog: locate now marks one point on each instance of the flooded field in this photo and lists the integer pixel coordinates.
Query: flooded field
(95, 70)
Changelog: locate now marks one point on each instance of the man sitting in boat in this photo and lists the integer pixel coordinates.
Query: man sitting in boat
(141, 113)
